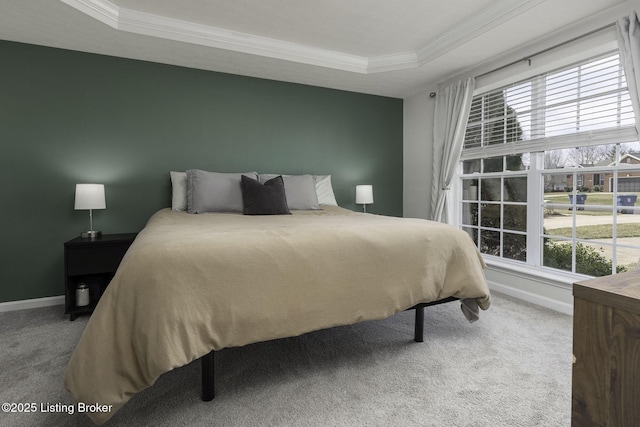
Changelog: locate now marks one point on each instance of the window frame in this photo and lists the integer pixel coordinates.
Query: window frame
(535, 174)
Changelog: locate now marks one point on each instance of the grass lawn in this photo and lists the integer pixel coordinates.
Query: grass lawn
(598, 231)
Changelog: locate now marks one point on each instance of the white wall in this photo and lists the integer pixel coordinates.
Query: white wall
(549, 291)
(418, 143)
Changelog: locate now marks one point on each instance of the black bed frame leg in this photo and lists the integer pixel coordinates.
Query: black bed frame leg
(208, 388)
(419, 326)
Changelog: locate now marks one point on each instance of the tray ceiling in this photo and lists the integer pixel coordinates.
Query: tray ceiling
(371, 46)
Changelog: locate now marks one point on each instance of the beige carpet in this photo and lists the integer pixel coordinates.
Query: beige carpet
(512, 368)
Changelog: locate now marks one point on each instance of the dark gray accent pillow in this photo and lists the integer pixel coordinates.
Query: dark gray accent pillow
(264, 199)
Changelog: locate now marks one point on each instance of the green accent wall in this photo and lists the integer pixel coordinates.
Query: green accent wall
(68, 117)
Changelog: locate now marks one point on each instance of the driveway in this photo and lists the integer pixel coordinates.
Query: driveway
(567, 221)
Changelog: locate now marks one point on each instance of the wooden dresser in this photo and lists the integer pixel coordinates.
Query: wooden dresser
(606, 351)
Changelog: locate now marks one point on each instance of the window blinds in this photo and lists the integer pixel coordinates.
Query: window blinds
(582, 104)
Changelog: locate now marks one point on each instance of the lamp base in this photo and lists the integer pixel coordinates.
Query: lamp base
(91, 234)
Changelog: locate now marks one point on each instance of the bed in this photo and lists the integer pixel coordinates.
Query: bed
(192, 284)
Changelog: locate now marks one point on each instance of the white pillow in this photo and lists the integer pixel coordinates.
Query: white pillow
(299, 189)
(324, 190)
(178, 191)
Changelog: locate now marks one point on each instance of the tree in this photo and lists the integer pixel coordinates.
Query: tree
(624, 149)
(501, 126)
(554, 160)
(590, 155)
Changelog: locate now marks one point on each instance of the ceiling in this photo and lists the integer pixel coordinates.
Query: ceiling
(381, 47)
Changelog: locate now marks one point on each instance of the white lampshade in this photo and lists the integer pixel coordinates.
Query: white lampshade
(90, 196)
(364, 194)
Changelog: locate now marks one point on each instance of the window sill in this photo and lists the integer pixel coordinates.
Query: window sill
(544, 275)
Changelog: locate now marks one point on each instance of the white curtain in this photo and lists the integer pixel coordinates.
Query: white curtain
(628, 31)
(450, 120)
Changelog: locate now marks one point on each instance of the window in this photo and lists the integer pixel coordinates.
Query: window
(598, 179)
(550, 171)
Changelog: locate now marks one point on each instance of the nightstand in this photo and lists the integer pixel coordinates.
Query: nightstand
(606, 351)
(92, 262)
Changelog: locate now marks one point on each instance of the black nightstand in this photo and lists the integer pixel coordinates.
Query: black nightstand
(92, 262)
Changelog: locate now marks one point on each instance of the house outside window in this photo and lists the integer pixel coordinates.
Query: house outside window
(550, 171)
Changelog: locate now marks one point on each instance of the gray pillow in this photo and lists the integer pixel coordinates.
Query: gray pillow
(214, 192)
(300, 191)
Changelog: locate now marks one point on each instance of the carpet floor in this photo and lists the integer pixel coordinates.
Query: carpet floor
(511, 368)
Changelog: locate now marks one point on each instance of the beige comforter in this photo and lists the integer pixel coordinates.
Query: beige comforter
(190, 284)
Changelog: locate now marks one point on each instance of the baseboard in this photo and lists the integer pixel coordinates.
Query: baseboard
(31, 303)
(540, 300)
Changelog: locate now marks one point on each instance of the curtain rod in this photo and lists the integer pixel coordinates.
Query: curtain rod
(528, 57)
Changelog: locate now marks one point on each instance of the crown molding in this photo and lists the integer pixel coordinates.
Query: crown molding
(188, 32)
(491, 17)
(102, 10)
(393, 62)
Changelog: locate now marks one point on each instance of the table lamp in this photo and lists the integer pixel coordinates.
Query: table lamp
(90, 196)
(364, 196)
